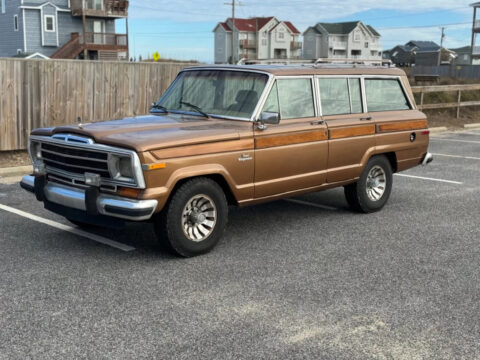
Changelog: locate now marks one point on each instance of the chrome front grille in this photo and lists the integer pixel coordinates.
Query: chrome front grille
(74, 160)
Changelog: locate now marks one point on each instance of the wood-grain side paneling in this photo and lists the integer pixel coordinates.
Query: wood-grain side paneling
(203, 149)
(290, 139)
(403, 126)
(352, 131)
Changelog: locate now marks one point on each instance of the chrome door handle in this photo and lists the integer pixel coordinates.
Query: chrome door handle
(368, 118)
(318, 122)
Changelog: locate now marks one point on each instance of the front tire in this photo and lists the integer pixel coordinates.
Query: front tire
(194, 219)
(371, 192)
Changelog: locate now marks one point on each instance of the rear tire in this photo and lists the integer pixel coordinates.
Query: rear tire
(194, 219)
(372, 190)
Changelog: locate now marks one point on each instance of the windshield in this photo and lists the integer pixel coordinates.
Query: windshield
(215, 92)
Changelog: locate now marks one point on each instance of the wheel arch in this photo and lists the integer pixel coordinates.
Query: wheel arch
(217, 177)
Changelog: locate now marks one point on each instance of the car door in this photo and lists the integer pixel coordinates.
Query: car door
(291, 155)
(351, 131)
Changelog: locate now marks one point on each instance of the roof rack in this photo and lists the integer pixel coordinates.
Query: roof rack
(322, 63)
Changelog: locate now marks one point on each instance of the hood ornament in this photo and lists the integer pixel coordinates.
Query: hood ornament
(79, 121)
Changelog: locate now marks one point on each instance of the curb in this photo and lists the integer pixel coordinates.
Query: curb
(472, 126)
(16, 171)
(438, 129)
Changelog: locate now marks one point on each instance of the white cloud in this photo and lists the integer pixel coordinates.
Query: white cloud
(302, 12)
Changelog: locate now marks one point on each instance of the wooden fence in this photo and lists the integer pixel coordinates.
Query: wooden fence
(40, 93)
(446, 88)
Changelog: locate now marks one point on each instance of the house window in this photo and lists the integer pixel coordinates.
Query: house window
(49, 23)
(366, 45)
(3, 7)
(15, 22)
(356, 36)
(281, 35)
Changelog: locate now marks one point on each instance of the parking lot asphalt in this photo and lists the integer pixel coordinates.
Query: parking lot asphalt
(302, 279)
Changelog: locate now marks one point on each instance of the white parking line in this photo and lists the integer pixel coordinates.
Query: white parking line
(454, 140)
(431, 179)
(458, 156)
(97, 238)
(301, 202)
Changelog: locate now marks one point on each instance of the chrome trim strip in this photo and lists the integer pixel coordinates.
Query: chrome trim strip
(73, 138)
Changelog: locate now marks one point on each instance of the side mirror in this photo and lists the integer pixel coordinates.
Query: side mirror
(267, 117)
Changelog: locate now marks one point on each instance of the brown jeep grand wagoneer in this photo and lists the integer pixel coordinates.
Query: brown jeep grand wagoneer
(235, 135)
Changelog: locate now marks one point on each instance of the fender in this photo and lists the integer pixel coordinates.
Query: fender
(163, 193)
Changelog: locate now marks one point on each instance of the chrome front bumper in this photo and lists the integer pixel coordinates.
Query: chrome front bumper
(115, 206)
(427, 159)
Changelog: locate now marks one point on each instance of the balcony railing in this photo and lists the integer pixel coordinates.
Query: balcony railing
(295, 45)
(339, 44)
(112, 41)
(100, 8)
(248, 44)
(248, 55)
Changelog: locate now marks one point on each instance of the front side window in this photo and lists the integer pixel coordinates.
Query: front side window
(296, 98)
(385, 95)
(49, 23)
(215, 92)
(291, 98)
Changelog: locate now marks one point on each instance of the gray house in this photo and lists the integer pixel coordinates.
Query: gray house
(464, 55)
(82, 29)
(406, 55)
(342, 41)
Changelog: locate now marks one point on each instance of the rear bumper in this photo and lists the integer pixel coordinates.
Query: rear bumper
(427, 159)
(92, 202)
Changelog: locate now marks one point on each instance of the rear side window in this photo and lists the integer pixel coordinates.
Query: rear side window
(340, 96)
(385, 95)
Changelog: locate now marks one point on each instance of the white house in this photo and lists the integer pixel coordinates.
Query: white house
(342, 41)
(256, 38)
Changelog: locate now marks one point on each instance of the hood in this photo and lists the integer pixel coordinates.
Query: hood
(152, 132)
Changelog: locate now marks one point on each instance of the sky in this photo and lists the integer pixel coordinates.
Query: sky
(182, 29)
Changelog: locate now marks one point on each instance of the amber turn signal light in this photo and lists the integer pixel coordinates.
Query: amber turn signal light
(154, 166)
(128, 192)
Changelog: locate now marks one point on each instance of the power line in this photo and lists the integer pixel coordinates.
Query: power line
(422, 26)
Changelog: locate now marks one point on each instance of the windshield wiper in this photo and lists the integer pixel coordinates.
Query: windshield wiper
(159, 107)
(195, 107)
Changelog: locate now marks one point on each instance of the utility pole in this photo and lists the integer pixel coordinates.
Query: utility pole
(441, 46)
(233, 4)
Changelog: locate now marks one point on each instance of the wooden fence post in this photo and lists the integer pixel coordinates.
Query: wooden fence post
(459, 100)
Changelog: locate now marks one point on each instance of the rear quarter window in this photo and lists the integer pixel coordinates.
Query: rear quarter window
(385, 95)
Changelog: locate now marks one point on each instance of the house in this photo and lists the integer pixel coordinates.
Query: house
(68, 29)
(464, 55)
(406, 55)
(342, 41)
(256, 38)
